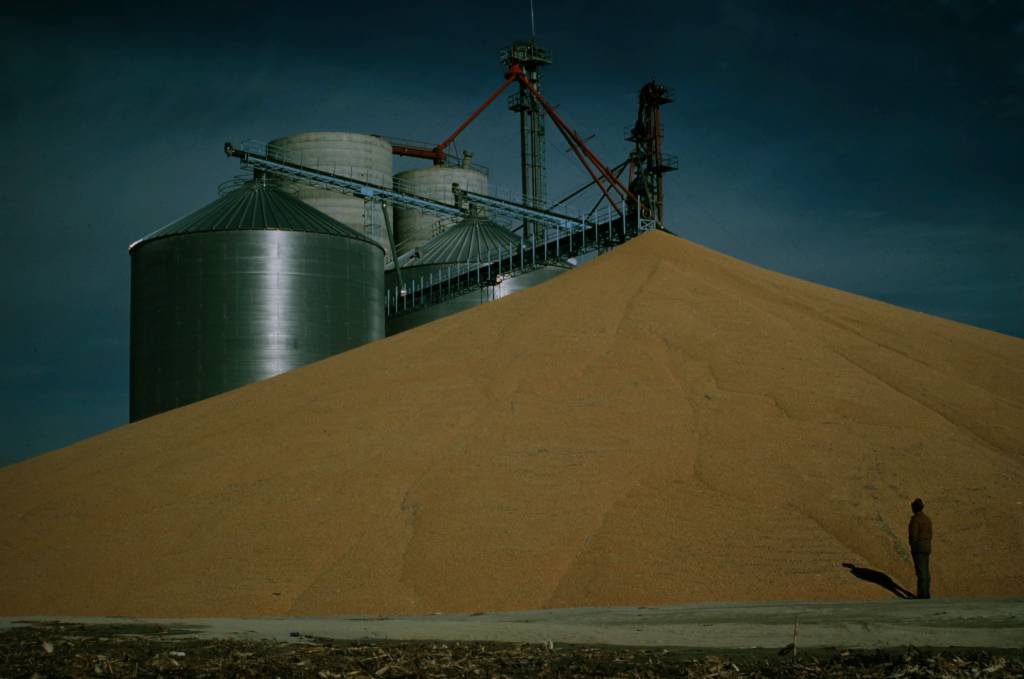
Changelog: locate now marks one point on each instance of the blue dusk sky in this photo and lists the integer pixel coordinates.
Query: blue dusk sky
(872, 147)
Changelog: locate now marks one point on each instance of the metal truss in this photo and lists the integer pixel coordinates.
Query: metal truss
(254, 154)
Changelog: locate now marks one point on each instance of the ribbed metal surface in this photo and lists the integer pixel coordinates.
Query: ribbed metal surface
(403, 322)
(463, 242)
(256, 207)
(253, 285)
(348, 154)
(414, 228)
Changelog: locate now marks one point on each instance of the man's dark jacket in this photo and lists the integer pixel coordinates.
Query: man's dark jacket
(920, 530)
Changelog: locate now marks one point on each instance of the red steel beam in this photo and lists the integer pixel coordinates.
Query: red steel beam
(590, 171)
(574, 142)
(417, 152)
(438, 153)
(568, 132)
(440, 148)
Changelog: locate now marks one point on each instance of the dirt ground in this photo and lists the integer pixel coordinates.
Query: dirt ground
(76, 650)
(895, 638)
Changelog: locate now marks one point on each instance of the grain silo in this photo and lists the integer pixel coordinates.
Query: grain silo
(473, 237)
(252, 285)
(467, 243)
(413, 228)
(363, 157)
(454, 251)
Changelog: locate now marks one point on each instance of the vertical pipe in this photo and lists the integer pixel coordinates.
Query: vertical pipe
(524, 157)
(535, 151)
(657, 155)
(391, 241)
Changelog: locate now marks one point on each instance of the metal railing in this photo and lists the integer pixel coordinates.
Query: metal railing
(449, 280)
(283, 162)
(264, 157)
(573, 234)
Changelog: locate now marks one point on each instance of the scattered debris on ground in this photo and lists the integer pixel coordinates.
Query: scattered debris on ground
(55, 649)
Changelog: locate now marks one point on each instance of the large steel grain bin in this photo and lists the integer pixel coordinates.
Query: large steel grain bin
(252, 285)
(471, 241)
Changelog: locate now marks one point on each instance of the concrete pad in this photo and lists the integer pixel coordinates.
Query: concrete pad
(945, 623)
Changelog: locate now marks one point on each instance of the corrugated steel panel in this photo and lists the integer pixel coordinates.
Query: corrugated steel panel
(466, 240)
(253, 285)
(256, 207)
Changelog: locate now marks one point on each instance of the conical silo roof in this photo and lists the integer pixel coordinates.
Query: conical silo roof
(256, 206)
(464, 241)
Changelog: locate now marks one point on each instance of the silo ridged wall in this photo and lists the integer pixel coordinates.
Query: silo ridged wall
(356, 156)
(248, 287)
(413, 228)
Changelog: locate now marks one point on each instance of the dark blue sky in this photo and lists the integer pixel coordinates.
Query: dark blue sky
(874, 147)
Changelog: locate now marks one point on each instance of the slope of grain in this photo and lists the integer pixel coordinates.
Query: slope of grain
(665, 424)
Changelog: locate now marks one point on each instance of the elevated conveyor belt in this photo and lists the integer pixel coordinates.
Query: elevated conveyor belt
(557, 248)
(571, 237)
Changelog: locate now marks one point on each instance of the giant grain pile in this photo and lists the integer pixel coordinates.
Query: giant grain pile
(665, 424)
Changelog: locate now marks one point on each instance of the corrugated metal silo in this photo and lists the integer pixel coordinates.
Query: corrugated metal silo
(357, 156)
(474, 238)
(414, 228)
(252, 285)
(460, 244)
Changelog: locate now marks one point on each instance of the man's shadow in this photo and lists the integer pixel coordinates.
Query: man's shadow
(879, 578)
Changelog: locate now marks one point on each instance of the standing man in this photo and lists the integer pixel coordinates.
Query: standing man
(920, 531)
